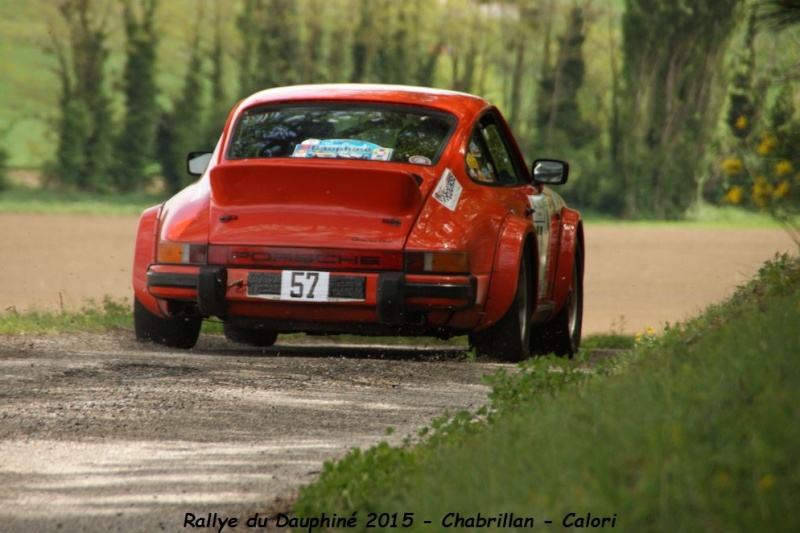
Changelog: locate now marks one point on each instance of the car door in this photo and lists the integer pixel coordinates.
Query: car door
(493, 160)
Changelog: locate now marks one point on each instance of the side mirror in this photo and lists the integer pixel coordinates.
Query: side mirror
(197, 162)
(550, 171)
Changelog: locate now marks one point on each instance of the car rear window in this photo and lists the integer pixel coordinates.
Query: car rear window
(350, 131)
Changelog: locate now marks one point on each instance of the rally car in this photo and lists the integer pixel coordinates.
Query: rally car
(365, 209)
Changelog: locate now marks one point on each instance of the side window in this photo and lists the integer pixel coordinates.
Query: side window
(488, 159)
(479, 163)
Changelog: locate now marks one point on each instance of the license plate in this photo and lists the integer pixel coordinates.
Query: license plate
(305, 286)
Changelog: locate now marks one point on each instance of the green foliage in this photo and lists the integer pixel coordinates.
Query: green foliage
(3, 169)
(84, 148)
(669, 88)
(780, 14)
(134, 143)
(108, 314)
(607, 341)
(743, 104)
(762, 166)
(70, 167)
(269, 30)
(18, 199)
(220, 106)
(620, 128)
(693, 431)
(558, 91)
(178, 131)
(537, 380)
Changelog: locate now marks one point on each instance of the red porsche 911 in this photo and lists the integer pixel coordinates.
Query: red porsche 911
(370, 210)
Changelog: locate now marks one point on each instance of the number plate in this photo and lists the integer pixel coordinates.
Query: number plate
(305, 286)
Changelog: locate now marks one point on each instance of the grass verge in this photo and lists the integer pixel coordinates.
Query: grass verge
(19, 199)
(693, 430)
(108, 314)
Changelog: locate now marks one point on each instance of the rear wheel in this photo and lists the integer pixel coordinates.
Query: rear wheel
(254, 337)
(562, 335)
(177, 332)
(509, 338)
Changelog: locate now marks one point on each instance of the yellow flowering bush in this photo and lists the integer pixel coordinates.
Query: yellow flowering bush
(761, 168)
(732, 166)
(763, 172)
(767, 144)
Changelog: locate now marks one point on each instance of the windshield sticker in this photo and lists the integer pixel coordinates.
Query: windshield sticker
(342, 149)
(448, 190)
(419, 160)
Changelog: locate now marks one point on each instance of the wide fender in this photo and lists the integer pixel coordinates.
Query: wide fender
(514, 234)
(144, 255)
(570, 239)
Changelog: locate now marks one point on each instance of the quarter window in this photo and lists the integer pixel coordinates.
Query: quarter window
(488, 158)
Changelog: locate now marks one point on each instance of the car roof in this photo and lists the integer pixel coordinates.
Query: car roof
(460, 104)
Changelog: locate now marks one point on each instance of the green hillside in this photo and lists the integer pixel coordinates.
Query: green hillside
(29, 87)
(695, 430)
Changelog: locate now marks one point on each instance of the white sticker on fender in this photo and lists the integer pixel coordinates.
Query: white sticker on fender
(448, 190)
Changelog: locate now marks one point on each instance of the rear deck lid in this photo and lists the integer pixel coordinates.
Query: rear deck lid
(312, 204)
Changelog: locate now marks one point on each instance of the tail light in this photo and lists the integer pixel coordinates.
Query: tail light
(437, 262)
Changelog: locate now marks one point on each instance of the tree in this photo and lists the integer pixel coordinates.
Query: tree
(83, 154)
(779, 14)
(134, 146)
(762, 168)
(177, 129)
(404, 53)
(271, 44)
(3, 169)
(670, 106)
(220, 105)
(364, 44)
(559, 88)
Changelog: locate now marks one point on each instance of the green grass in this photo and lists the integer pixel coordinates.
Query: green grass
(94, 317)
(111, 314)
(700, 216)
(694, 430)
(21, 199)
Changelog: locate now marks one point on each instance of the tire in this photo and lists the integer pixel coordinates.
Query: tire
(178, 332)
(562, 334)
(253, 337)
(509, 338)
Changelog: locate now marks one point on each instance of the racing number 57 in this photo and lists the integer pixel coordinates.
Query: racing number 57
(302, 280)
(304, 285)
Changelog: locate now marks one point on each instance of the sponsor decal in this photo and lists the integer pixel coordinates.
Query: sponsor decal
(342, 149)
(419, 160)
(448, 190)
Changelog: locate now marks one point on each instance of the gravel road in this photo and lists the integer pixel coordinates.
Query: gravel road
(99, 433)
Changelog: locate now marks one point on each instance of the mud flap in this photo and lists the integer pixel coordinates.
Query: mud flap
(212, 285)
(391, 299)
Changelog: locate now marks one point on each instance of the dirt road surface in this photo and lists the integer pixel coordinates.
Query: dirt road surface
(100, 433)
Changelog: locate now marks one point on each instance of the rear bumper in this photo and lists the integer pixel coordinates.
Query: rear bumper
(391, 298)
